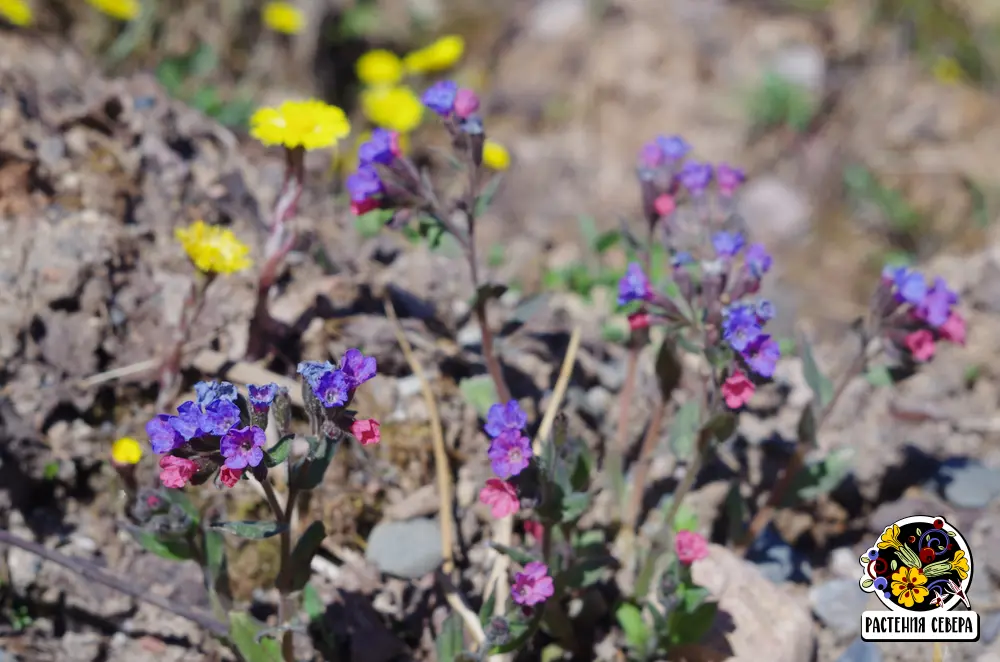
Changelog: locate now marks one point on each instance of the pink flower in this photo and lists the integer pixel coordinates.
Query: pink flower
(690, 547)
(953, 330)
(501, 497)
(394, 146)
(534, 529)
(466, 103)
(359, 208)
(366, 431)
(533, 585)
(229, 477)
(664, 205)
(176, 471)
(638, 321)
(921, 345)
(737, 390)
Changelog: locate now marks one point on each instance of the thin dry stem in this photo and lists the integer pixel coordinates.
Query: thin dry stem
(649, 443)
(444, 482)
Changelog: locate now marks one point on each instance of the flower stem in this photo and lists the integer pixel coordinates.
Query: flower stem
(170, 368)
(285, 606)
(642, 464)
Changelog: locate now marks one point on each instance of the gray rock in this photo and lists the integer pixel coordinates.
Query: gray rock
(801, 64)
(838, 604)
(967, 483)
(408, 549)
(556, 18)
(861, 651)
(989, 626)
(774, 210)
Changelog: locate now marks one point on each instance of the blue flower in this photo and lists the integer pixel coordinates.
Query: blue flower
(332, 389)
(910, 285)
(261, 397)
(163, 437)
(377, 149)
(188, 421)
(364, 183)
(208, 391)
(695, 177)
(727, 244)
(357, 368)
(633, 286)
(758, 260)
(762, 355)
(311, 371)
(440, 97)
(243, 447)
(681, 259)
(220, 416)
(673, 147)
(740, 327)
(764, 311)
(503, 417)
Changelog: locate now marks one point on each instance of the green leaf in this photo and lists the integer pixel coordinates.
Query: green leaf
(737, 514)
(574, 505)
(243, 630)
(370, 223)
(312, 605)
(636, 631)
(586, 571)
(250, 530)
(451, 640)
(722, 426)
(879, 376)
(684, 429)
(488, 292)
(306, 547)
(668, 368)
(606, 241)
(693, 597)
(821, 385)
(172, 550)
(807, 427)
(685, 519)
(480, 392)
(496, 256)
(202, 61)
(180, 499)
(309, 471)
(820, 477)
(516, 555)
(520, 632)
(688, 627)
(486, 611)
(614, 333)
(485, 197)
(215, 561)
(279, 452)
(893, 564)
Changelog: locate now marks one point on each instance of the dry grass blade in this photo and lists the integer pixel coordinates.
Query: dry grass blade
(445, 490)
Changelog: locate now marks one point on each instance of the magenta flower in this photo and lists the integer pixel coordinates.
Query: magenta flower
(953, 330)
(728, 179)
(367, 431)
(533, 585)
(175, 472)
(737, 390)
(501, 418)
(466, 102)
(509, 454)
(357, 368)
(690, 547)
(243, 447)
(921, 345)
(501, 497)
(229, 477)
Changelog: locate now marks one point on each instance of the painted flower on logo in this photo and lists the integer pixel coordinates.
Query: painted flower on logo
(908, 586)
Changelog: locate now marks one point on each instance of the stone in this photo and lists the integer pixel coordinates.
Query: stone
(757, 620)
(408, 549)
(802, 64)
(775, 210)
(861, 651)
(967, 484)
(838, 603)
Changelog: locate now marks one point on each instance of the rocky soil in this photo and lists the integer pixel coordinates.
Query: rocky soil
(97, 171)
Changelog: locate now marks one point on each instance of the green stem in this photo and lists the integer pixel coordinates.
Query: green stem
(285, 606)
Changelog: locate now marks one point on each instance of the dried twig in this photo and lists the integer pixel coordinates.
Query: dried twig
(444, 482)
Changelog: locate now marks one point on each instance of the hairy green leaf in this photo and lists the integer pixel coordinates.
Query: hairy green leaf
(250, 530)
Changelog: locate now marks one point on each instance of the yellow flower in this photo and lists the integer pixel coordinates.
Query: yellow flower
(960, 564)
(379, 67)
(283, 17)
(442, 54)
(947, 70)
(889, 538)
(17, 12)
(126, 451)
(908, 586)
(495, 156)
(396, 108)
(213, 249)
(123, 10)
(311, 124)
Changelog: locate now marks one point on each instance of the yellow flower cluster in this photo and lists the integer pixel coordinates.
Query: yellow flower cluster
(126, 451)
(283, 17)
(387, 101)
(123, 10)
(214, 250)
(16, 12)
(310, 124)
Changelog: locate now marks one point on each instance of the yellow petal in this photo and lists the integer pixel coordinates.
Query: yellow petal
(495, 155)
(379, 67)
(126, 451)
(283, 17)
(17, 12)
(438, 56)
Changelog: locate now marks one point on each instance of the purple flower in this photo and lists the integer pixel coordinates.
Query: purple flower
(331, 389)
(357, 368)
(758, 260)
(261, 397)
(936, 306)
(673, 147)
(220, 416)
(728, 179)
(243, 447)
(762, 355)
(695, 177)
(208, 391)
(163, 437)
(189, 421)
(634, 286)
(509, 454)
(764, 310)
(651, 155)
(532, 586)
(727, 244)
(364, 183)
(501, 418)
(377, 149)
(440, 97)
(740, 327)
(311, 371)
(910, 285)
